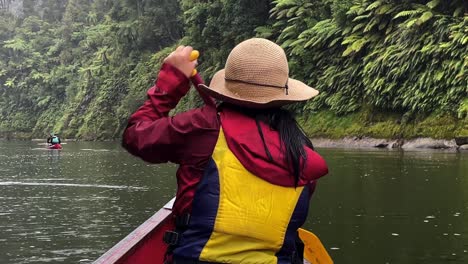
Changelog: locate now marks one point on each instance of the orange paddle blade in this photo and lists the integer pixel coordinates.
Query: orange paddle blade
(314, 251)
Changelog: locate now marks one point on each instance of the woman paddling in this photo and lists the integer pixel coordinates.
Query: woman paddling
(247, 171)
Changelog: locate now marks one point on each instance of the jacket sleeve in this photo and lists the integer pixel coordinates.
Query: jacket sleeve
(151, 134)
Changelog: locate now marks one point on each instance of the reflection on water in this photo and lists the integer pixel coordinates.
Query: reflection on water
(376, 206)
(70, 185)
(393, 207)
(70, 205)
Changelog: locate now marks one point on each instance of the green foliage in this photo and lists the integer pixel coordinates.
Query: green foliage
(214, 27)
(81, 67)
(463, 109)
(402, 56)
(68, 65)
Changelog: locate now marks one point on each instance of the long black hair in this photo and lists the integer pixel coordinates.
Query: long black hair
(293, 139)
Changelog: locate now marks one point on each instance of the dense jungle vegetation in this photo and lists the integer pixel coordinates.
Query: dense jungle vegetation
(385, 68)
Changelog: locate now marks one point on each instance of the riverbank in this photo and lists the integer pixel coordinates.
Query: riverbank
(406, 144)
(367, 129)
(365, 142)
(326, 124)
(364, 129)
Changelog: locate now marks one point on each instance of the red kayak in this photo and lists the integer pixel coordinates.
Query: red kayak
(55, 146)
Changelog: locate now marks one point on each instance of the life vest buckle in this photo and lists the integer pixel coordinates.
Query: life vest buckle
(171, 238)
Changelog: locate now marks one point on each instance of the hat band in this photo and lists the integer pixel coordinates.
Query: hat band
(259, 84)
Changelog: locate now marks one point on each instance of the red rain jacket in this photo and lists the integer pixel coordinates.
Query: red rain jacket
(188, 139)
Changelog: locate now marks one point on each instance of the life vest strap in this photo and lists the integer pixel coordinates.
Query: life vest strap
(171, 238)
(182, 222)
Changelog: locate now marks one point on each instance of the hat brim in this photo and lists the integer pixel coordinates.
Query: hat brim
(256, 96)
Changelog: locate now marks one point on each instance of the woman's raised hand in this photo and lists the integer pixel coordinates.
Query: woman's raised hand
(184, 58)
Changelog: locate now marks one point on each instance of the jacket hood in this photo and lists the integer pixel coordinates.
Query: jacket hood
(244, 140)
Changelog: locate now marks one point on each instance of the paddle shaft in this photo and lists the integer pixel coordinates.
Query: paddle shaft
(197, 80)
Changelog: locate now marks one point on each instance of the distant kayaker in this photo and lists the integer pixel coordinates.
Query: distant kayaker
(247, 170)
(53, 139)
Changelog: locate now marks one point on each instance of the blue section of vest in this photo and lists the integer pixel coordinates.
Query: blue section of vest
(204, 211)
(55, 140)
(297, 220)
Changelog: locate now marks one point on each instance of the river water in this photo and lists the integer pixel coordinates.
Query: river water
(375, 206)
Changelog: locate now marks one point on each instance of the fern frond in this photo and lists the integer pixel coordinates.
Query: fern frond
(384, 9)
(407, 13)
(425, 17)
(374, 5)
(433, 4)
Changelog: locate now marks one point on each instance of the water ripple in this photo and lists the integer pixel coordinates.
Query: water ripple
(69, 185)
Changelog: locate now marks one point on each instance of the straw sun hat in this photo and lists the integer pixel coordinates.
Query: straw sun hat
(257, 75)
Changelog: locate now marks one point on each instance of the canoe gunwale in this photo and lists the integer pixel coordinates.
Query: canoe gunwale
(131, 242)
